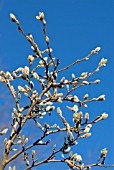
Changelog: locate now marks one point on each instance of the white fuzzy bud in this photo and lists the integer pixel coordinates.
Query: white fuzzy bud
(13, 18)
(103, 152)
(4, 131)
(21, 89)
(104, 116)
(59, 111)
(102, 97)
(30, 59)
(50, 108)
(86, 135)
(86, 116)
(102, 62)
(97, 49)
(87, 128)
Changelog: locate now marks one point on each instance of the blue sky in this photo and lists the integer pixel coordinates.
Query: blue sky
(75, 27)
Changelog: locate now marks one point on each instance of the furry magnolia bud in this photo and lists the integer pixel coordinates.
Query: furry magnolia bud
(30, 59)
(13, 18)
(47, 39)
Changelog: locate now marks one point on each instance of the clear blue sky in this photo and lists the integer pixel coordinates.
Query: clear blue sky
(75, 27)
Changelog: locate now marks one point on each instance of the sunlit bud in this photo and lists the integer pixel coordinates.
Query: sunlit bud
(97, 81)
(32, 48)
(25, 71)
(85, 106)
(103, 62)
(97, 70)
(19, 69)
(69, 163)
(43, 114)
(62, 80)
(87, 128)
(26, 141)
(86, 135)
(76, 99)
(97, 49)
(73, 76)
(40, 142)
(33, 154)
(8, 75)
(50, 108)
(19, 142)
(87, 58)
(30, 59)
(47, 39)
(47, 126)
(13, 18)
(59, 94)
(5, 141)
(102, 97)
(13, 116)
(60, 100)
(19, 96)
(58, 128)
(14, 149)
(9, 168)
(73, 143)
(54, 126)
(48, 103)
(86, 97)
(74, 157)
(104, 116)
(78, 158)
(22, 137)
(37, 17)
(70, 135)
(4, 131)
(85, 82)
(59, 111)
(41, 16)
(2, 79)
(86, 116)
(35, 75)
(14, 110)
(80, 115)
(70, 97)
(42, 104)
(48, 94)
(84, 75)
(74, 108)
(103, 152)
(75, 117)
(50, 49)
(41, 62)
(66, 81)
(67, 85)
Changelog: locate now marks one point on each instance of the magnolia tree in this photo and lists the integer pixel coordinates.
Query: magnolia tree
(42, 73)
